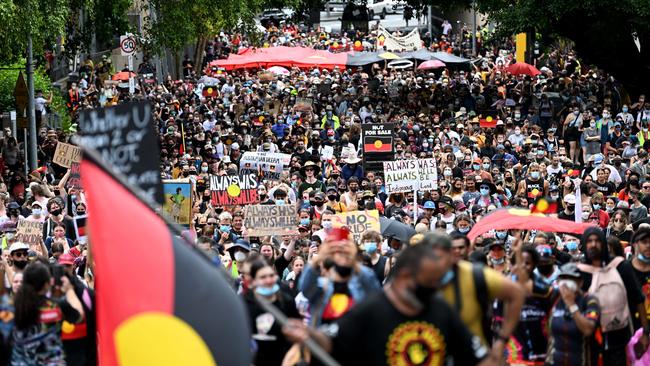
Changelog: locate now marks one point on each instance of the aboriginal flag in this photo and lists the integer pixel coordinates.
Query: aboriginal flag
(488, 122)
(159, 302)
(373, 144)
(210, 91)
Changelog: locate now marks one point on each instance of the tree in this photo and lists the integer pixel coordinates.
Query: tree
(601, 29)
(44, 20)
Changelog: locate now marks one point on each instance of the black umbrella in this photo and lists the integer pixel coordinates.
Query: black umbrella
(391, 228)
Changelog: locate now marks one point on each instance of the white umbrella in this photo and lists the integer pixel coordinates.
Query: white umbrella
(400, 64)
(279, 70)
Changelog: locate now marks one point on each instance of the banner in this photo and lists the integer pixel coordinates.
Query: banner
(357, 222)
(29, 232)
(327, 153)
(178, 200)
(74, 179)
(264, 220)
(377, 144)
(125, 138)
(234, 190)
(268, 165)
(407, 175)
(66, 154)
(522, 219)
(409, 42)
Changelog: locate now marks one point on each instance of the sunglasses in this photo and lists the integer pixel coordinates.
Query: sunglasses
(19, 254)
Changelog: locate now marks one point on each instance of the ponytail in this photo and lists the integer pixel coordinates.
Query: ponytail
(27, 300)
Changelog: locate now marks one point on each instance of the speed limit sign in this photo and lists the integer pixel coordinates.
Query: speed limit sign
(127, 45)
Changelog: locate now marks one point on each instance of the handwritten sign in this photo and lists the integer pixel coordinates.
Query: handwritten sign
(263, 220)
(125, 138)
(326, 153)
(268, 165)
(357, 222)
(29, 232)
(407, 175)
(66, 154)
(234, 190)
(74, 179)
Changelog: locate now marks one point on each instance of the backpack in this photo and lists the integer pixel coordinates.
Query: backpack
(608, 287)
(480, 286)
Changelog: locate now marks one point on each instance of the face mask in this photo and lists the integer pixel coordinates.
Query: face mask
(224, 228)
(56, 212)
(486, 166)
(545, 269)
(517, 115)
(204, 169)
(279, 202)
(370, 247)
(577, 113)
(624, 110)
(326, 224)
(571, 207)
(332, 197)
(37, 211)
(240, 256)
(447, 173)
(476, 166)
(555, 196)
(606, 115)
(424, 294)
(485, 191)
(343, 271)
(20, 264)
(267, 291)
(446, 278)
(592, 124)
(572, 246)
(571, 285)
(501, 234)
(354, 189)
(498, 262)
(585, 215)
(643, 258)
(517, 132)
(305, 222)
(534, 175)
(463, 230)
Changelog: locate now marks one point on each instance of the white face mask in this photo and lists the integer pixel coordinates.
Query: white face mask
(36, 211)
(571, 285)
(240, 256)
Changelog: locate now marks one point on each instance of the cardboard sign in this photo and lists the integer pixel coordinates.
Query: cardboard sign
(29, 232)
(178, 200)
(327, 152)
(407, 175)
(126, 139)
(66, 154)
(378, 144)
(357, 222)
(234, 190)
(264, 220)
(264, 164)
(347, 151)
(74, 179)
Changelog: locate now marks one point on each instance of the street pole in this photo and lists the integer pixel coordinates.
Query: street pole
(474, 29)
(33, 162)
(429, 21)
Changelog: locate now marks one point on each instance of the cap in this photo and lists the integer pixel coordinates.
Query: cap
(241, 243)
(13, 206)
(569, 270)
(460, 126)
(623, 205)
(66, 258)
(331, 188)
(643, 232)
(570, 199)
(234, 146)
(429, 205)
(368, 194)
(18, 246)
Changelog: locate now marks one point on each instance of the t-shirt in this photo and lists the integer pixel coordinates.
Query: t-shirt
(376, 333)
(644, 281)
(566, 344)
(470, 311)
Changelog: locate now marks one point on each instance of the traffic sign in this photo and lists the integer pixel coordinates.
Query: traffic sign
(20, 93)
(127, 45)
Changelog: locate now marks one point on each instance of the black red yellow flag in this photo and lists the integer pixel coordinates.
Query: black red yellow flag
(159, 302)
(372, 144)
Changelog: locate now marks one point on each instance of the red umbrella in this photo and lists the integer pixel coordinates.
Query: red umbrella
(519, 68)
(124, 75)
(431, 64)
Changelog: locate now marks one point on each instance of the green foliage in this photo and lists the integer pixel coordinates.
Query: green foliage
(41, 81)
(44, 19)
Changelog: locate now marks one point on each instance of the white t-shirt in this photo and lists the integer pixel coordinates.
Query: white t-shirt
(39, 104)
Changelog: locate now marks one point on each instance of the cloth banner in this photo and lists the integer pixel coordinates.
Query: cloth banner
(268, 165)
(409, 42)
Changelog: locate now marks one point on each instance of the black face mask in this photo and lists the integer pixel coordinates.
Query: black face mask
(332, 197)
(354, 189)
(343, 271)
(593, 253)
(424, 294)
(20, 264)
(545, 269)
(56, 212)
(571, 207)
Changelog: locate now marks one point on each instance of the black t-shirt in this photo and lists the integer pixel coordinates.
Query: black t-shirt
(644, 282)
(607, 188)
(267, 332)
(376, 333)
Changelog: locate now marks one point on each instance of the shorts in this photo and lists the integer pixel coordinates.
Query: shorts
(571, 134)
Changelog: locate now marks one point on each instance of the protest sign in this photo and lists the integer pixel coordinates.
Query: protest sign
(178, 200)
(66, 154)
(80, 226)
(125, 138)
(407, 175)
(326, 153)
(377, 144)
(29, 232)
(74, 179)
(234, 190)
(347, 151)
(264, 164)
(357, 222)
(263, 220)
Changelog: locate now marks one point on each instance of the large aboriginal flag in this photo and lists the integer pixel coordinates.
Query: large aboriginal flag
(373, 144)
(158, 301)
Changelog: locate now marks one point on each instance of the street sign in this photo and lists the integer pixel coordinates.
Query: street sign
(20, 94)
(127, 45)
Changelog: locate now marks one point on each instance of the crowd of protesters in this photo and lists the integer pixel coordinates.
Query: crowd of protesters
(571, 135)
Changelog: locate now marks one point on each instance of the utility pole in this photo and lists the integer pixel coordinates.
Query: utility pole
(429, 23)
(474, 29)
(33, 158)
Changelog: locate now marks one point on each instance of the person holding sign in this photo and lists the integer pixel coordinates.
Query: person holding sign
(59, 237)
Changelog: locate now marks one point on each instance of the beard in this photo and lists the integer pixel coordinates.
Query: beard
(593, 254)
